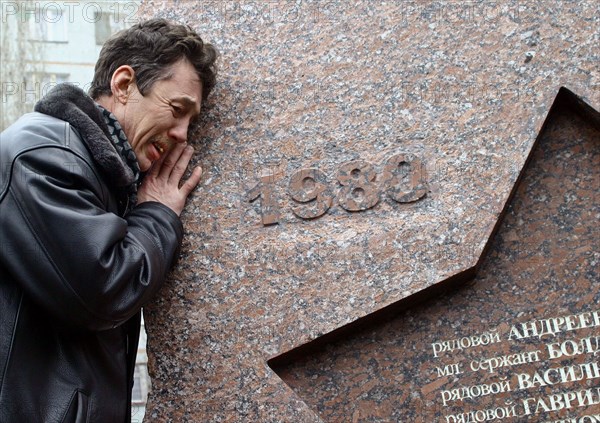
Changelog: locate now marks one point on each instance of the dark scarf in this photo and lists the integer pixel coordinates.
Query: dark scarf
(71, 104)
(123, 147)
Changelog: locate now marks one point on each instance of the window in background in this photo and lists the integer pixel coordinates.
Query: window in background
(37, 84)
(108, 23)
(47, 24)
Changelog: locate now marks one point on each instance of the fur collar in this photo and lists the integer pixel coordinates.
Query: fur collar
(71, 104)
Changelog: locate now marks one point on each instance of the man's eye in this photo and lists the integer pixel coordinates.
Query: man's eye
(177, 110)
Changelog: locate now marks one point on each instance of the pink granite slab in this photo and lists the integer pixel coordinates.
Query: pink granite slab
(517, 340)
(463, 87)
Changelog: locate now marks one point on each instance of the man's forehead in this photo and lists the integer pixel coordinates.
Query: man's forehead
(187, 85)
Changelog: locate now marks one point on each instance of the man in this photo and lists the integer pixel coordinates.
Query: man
(85, 240)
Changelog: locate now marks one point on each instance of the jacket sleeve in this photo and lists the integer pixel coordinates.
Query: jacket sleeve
(84, 265)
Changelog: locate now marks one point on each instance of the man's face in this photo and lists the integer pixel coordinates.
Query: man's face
(154, 123)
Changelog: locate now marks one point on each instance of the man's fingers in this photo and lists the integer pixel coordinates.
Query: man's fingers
(191, 182)
(181, 165)
(171, 160)
(156, 166)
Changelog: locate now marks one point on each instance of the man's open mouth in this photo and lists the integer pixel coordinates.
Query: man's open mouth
(159, 147)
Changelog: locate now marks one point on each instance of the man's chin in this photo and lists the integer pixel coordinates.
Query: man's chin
(145, 164)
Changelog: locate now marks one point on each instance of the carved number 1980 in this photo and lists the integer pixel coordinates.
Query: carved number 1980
(403, 180)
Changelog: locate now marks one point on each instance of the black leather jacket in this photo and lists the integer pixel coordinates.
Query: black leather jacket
(73, 273)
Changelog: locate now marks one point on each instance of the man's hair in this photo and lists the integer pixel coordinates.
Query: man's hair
(150, 48)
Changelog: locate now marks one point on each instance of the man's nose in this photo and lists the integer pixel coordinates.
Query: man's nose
(178, 132)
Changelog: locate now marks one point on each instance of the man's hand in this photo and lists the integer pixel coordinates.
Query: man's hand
(162, 181)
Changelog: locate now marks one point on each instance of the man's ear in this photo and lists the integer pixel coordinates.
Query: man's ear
(122, 83)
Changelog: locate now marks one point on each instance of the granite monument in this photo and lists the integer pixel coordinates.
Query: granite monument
(358, 157)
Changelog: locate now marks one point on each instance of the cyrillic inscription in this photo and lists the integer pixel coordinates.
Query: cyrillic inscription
(557, 367)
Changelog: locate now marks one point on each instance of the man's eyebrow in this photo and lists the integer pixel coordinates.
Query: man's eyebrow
(189, 103)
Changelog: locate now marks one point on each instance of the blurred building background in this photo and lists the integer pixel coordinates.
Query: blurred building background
(48, 42)
(141, 385)
(44, 43)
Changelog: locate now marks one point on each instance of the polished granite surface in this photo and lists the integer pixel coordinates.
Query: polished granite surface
(355, 154)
